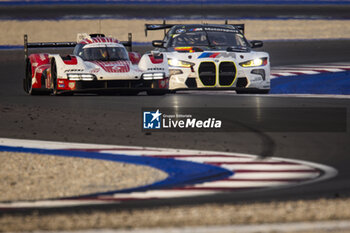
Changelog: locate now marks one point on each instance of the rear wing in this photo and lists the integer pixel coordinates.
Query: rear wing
(45, 45)
(164, 26)
(239, 27)
(127, 44)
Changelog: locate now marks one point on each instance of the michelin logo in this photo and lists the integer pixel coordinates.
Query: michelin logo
(152, 120)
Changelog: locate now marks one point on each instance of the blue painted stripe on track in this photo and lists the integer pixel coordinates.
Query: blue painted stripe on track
(179, 2)
(6, 47)
(179, 172)
(326, 83)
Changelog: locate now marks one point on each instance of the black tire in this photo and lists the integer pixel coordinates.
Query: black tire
(66, 93)
(156, 92)
(54, 77)
(28, 76)
(27, 81)
(129, 92)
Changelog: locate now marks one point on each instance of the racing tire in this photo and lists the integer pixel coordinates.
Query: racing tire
(156, 92)
(54, 77)
(66, 93)
(27, 81)
(129, 93)
(266, 91)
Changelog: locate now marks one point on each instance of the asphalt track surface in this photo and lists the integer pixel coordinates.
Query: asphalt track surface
(176, 11)
(117, 120)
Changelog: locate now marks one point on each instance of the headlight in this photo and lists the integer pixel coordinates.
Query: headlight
(150, 76)
(84, 77)
(178, 63)
(255, 62)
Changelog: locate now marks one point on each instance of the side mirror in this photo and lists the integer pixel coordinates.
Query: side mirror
(256, 43)
(158, 43)
(134, 57)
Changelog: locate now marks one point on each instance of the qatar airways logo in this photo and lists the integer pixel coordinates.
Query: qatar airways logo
(158, 120)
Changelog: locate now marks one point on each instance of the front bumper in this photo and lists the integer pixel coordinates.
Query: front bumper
(255, 78)
(65, 85)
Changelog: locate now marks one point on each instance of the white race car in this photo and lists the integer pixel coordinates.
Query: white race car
(98, 64)
(202, 56)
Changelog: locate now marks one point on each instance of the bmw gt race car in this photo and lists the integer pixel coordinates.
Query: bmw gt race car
(202, 56)
(98, 64)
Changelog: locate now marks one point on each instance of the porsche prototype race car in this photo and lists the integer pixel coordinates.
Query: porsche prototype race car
(98, 64)
(203, 56)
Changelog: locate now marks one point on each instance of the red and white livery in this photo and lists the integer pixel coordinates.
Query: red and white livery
(98, 64)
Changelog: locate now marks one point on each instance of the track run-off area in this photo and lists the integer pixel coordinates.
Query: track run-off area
(224, 171)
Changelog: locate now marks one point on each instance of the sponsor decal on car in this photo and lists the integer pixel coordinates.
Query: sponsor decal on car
(195, 29)
(96, 70)
(221, 30)
(114, 67)
(208, 54)
(155, 68)
(73, 70)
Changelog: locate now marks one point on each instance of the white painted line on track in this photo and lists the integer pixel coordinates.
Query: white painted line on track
(265, 167)
(53, 203)
(241, 184)
(281, 70)
(295, 70)
(275, 175)
(325, 226)
(171, 193)
(284, 74)
(216, 159)
(332, 69)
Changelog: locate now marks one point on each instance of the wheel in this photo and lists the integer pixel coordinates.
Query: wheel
(129, 92)
(27, 81)
(25, 85)
(156, 92)
(67, 93)
(54, 77)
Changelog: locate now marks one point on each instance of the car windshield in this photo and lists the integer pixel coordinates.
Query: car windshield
(209, 38)
(103, 53)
